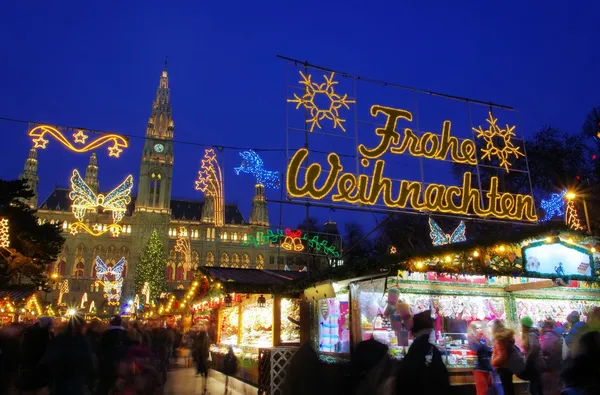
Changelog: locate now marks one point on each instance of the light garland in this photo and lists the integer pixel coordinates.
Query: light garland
(507, 148)
(38, 133)
(210, 182)
(292, 241)
(313, 90)
(146, 291)
(182, 245)
(555, 206)
(111, 279)
(253, 164)
(439, 238)
(84, 299)
(84, 199)
(4, 235)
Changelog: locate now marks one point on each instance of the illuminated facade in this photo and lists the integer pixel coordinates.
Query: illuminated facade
(153, 208)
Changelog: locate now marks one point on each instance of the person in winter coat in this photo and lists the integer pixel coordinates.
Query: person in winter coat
(367, 355)
(551, 344)
(422, 371)
(71, 361)
(577, 327)
(483, 367)
(580, 374)
(504, 341)
(113, 348)
(305, 374)
(534, 360)
(201, 353)
(32, 375)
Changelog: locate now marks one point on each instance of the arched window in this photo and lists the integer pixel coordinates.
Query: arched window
(235, 260)
(224, 260)
(78, 267)
(224, 236)
(245, 261)
(210, 259)
(169, 273)
(260, 262)
(62, 267)
(195, 264)
(155, 181)
(234, 236)
(179, 273)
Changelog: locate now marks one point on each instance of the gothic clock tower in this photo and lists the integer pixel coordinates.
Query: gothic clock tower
(152, 206)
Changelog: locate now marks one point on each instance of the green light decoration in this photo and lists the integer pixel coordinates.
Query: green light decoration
(292, 241)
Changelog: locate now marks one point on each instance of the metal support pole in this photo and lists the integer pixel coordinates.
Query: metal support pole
(587, 217)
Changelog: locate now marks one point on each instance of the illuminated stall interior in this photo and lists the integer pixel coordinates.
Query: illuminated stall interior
(19, 305)
(256, 312)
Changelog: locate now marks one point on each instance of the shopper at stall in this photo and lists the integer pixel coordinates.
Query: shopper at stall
(580, 375)
(422, 371)
(577, 327)
(551, 344)
(482, 373)
(201, 353)
(534, 359)
(504, 346)
(114, 345)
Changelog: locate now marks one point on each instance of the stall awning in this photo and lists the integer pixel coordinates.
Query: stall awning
(15, 295)
(253, 280)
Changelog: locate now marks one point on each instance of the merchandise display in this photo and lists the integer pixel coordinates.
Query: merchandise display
(229, 325)
(558, 310)
(257, 323)
(290, 321)
(333, 320)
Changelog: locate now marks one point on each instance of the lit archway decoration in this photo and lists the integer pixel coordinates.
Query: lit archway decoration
(84, 199)
(111, 278)
(63, 290)
(210, 182)
(79, 138)
(326, 90)
(4, 237)
(182, 246)
(146, 291)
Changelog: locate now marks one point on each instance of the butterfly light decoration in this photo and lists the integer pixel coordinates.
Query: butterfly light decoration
(84, 199)
(440, 238)
(111, 279)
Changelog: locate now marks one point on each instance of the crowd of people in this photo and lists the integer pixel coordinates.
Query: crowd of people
(78, 358)
(552, 358)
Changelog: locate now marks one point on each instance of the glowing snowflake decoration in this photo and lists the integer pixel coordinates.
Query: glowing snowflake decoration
(494, 134)
(325, 91)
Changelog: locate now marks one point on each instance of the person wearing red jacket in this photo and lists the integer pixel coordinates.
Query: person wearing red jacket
(504, 340)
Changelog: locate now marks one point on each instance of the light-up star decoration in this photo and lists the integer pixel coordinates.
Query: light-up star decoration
(571, 216)
(4, 238)
(39, 132)
(492, 135)
(182, 245)
(84, 199)
(210, 182)
(253, 164)
(111, 279)
(314, 93)
(439, 237)
(555, 206)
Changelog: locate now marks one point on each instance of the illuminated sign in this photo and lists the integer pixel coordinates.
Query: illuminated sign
(38, 133)
(210, 182)
(554, 207)
(558, 259)
(312, 180)
(84, 199)
(292, 240)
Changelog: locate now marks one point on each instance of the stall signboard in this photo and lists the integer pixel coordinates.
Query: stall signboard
(391, 132)
(558, 259)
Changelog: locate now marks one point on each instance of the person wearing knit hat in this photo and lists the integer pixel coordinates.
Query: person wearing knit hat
(527, 322)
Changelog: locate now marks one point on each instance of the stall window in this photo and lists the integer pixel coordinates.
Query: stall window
(229, 325)
(257, 322)
(333, 324)
(290, 321)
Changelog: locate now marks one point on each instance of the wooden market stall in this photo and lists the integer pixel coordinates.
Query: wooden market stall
(550, 277)
(19, 305)
(257, 311)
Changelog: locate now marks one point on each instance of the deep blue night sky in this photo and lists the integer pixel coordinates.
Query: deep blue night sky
(97, 65)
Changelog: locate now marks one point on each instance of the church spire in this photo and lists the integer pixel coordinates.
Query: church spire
(160, 124)
(259, 215)
(91, 173)
(30, 176)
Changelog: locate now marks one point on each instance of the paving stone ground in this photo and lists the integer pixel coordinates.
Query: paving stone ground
(183, 381)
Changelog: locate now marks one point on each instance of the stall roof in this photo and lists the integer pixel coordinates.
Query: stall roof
(16, 294)
(253, 280)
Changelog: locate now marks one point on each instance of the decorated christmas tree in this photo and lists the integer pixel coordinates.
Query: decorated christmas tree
(151, 267)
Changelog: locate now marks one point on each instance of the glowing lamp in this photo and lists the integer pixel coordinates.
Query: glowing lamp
(570, 195)
(548, 239)
(593, 250)
(71, 312)
(448, 258)
(419, 265)
(261, 301)
(475, 253)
